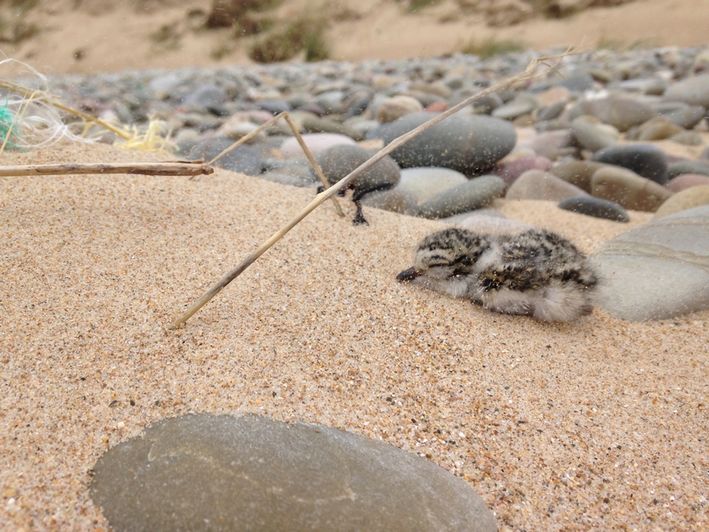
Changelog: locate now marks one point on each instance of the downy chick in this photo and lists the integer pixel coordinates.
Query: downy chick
(536, 272)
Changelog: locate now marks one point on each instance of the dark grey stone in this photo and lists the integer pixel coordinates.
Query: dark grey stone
(274, 106)
(206, 97)
(688, 167)
(643, 159)
(314, 124)
(474, 194)
(483, 105)
(468, 144)
(523, 104)
(340, 160)
(596, 207)
(247, 158)
(551, 112)
(658, 270)
(206, 472)
(577, 81)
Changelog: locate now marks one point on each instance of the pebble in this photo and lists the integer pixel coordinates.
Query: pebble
(628, 189)
(424, 183)
(577, 173)
(657, 128)
(554, 144)
(643, 159)
(314, 124)
(596, 207)
(692, 91)
(468, 144)
(657, 271)
(207, 97)
(394, 200)
(474, 194)
(522, 105)
(686, 199)
(688, 138)
(397, 106)
(688, 167)
(591, 134)
(294, 172)
(338, 161)
(551, 111)
(317, 142)
(246, 159)
(510, 169)
(621, 112)
(554, 96)
(577, 80)
(540, 185)
(274, 107)
(687, 118)
(203, 471)
(684, 181)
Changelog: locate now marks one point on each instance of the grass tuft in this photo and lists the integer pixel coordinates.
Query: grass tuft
(492, 47)
(414, 6)
(305, 34)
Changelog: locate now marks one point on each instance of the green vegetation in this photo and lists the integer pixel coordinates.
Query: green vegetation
(417, 5)
(226, 13)
(492, 46)
(14, 28)
(304, 34)
(166, 37)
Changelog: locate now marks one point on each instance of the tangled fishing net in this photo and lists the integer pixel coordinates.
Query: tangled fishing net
(30, 118)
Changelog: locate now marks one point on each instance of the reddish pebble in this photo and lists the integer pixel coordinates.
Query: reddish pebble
(510, 170)
(684, 181)
(437, 107)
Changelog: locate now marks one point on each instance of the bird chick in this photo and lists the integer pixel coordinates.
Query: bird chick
(536, 272)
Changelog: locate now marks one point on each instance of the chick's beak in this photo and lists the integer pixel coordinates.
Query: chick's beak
(408, 275)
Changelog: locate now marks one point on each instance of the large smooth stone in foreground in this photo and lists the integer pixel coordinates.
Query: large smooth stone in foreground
(657, 271)
(205, 472)
(468, 144)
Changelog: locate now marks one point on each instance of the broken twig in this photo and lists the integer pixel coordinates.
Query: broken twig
(528, 74)
(177, 168)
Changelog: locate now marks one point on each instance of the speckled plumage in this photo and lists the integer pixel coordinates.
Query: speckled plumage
(536, 272)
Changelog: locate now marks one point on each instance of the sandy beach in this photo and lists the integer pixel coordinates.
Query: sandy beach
(596, 424)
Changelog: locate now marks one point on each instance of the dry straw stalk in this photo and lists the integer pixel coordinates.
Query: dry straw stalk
(177, 168)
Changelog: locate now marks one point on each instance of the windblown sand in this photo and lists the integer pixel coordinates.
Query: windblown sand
(600, 423)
